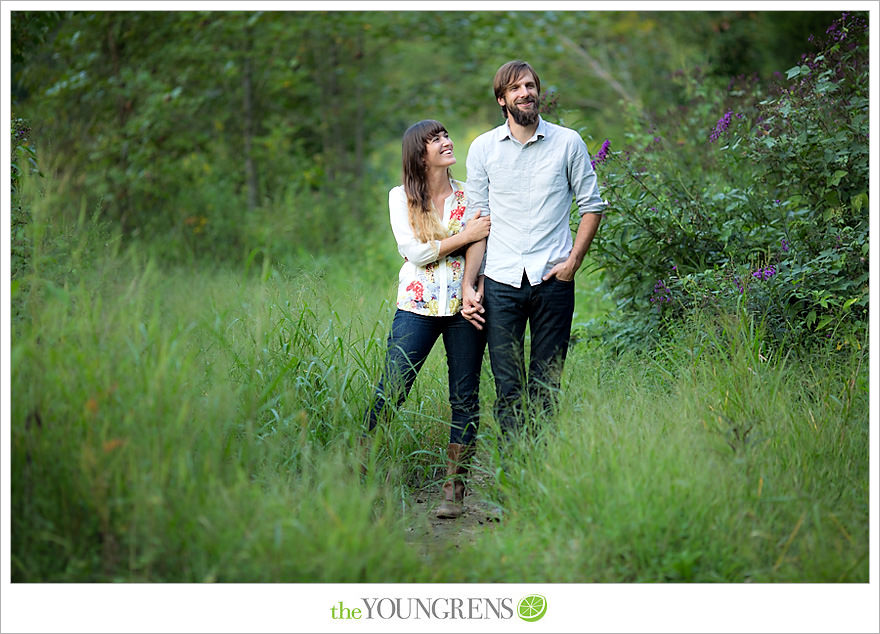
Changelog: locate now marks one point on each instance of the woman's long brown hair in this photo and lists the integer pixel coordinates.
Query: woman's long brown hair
(422, 218)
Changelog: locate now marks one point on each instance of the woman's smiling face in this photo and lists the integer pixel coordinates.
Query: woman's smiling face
(439, 151)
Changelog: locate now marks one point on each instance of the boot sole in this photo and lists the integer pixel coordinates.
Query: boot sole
(448, 514)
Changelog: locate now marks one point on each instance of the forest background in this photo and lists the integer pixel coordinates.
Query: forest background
(199, 236)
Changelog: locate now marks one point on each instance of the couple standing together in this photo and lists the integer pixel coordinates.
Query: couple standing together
(485, 258)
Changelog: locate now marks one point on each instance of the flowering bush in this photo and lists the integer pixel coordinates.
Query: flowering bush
(763, 208)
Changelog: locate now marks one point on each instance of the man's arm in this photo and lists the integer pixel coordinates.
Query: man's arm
(477, 189)
(590, 207)
(586, 232)
(477, 185)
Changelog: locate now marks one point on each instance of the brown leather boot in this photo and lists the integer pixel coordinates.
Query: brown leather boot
(457, 459)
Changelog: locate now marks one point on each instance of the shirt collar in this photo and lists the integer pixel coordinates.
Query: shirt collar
(504, 130)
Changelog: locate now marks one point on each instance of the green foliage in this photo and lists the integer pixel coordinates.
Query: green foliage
(220, 134)
(814, 143)
(189, 121)
(23, 164)
(211, 408)
(767, 210)
(184, 424)
(705, 460)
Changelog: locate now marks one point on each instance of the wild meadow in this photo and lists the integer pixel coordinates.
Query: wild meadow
(177, 424)
(195, 419)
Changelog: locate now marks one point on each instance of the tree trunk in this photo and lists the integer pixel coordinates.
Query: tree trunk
(361, 110)
(248, 90)
(123, 110)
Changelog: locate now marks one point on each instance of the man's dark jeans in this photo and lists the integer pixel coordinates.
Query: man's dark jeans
(548, 309)
(411, 339)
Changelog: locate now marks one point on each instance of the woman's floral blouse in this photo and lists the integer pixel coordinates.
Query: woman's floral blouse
(428, 285)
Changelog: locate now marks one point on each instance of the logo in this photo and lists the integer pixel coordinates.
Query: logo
(532, 608)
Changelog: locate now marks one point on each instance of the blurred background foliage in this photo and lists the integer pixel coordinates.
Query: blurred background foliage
(241, 137)
(215, 133)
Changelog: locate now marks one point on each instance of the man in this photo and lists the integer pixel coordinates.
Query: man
(526, 173)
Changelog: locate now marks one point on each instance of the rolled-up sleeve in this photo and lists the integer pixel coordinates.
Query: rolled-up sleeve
(583, 179)
(418, 252)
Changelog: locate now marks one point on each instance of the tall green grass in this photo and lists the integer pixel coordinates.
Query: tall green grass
(200, 424)
(712, 462)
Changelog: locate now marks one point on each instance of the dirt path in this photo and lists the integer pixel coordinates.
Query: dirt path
(431, 535)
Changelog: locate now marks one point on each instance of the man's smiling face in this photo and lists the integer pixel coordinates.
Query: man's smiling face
(521, 99)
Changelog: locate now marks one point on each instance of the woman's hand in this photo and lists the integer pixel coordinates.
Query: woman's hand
(472, 305)
(476, 228)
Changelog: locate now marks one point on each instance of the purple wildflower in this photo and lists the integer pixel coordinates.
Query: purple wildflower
(661, 294)
(765, 273)
(721, 126)
(785, 245)
(602, 154)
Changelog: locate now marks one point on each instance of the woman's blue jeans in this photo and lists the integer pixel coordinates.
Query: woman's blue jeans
(548, 309)
(411, 340)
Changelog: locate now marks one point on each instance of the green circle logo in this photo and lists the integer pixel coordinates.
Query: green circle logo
(532, 608)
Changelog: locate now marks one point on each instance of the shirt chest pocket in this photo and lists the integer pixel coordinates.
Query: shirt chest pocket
(507, 180)
(550, 175)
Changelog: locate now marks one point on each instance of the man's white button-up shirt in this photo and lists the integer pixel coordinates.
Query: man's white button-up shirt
(528, 189)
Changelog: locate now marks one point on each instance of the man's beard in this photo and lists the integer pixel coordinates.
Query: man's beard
(523, 117)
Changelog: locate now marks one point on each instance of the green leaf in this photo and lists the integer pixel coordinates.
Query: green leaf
(824, 322)
(859, 200)
(834, 181)
(849, 303)
(811, 318)
(794, 71)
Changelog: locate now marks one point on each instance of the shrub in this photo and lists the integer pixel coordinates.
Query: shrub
(23, 162)
(762, 205)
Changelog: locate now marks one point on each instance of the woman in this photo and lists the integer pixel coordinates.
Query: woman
(433, 226)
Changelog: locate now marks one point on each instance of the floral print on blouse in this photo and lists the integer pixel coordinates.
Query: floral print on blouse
(429, 285)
